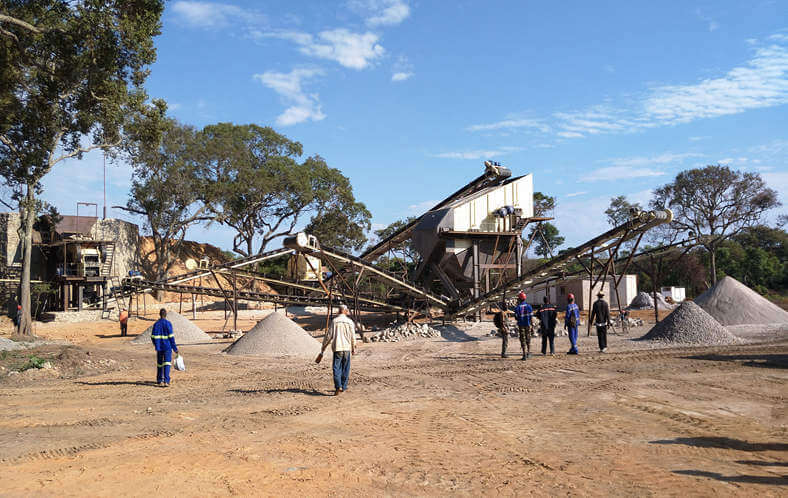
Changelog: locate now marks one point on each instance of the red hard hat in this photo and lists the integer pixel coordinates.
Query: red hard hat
(521, 296)
(571, 296)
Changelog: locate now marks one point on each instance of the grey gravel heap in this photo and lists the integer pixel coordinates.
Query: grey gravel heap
(642, 302)
(731, 302)
(276, 335)
(689, 324)
(185, 331)
(405, 331)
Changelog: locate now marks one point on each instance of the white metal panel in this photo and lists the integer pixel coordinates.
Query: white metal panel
(477, 214)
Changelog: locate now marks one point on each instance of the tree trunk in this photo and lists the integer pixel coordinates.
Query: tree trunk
(29, 213)
(713, 253)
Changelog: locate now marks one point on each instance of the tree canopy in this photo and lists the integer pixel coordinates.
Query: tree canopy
(71, 71)
(715, 203)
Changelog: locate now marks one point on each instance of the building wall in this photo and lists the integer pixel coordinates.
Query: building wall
(477, 213)
(627, 290)
(127, 240)
(10, 253)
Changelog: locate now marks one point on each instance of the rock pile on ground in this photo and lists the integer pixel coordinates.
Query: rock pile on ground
(689, 324)
(644, 301)
(405, 331)
(731, 302)
(9, 345)
(276, 335)
(185, 331)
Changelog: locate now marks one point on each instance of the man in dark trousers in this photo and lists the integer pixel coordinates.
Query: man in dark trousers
(600, 316)
(547, 318)
(571, 322)
(164, 342)
(523, 313)
(500, 323)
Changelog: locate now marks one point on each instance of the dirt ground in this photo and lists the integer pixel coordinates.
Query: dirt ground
(443, 416)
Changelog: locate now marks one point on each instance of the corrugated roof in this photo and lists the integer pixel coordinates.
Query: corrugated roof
(76, 224)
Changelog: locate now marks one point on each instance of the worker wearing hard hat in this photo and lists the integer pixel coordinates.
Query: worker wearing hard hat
(600, 316)
(547, 319)
(499, 319)
(523, 313)
(571, 322)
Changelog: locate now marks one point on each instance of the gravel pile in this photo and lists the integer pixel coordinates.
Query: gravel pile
(276, 335)
(9, 345)
(689, 324)
(731, 302)
(405, 331)
(185, 331)
(644, 301)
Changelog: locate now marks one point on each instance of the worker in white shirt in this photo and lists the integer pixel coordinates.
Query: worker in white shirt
(341, 336)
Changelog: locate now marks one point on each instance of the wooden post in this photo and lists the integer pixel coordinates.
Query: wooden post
(235, 304)
(590, 290)
(194, 308)
(80, 291)
(180, 303)
(475, 255)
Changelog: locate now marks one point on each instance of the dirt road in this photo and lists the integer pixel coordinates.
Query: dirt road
(436, 417)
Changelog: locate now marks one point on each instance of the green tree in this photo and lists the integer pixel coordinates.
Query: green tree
(256, 185)
(343, 229)
(70, 73)
(543, 204)
(620, 210)
(758, 256)
(404, 253)
(715, 203)
(166, 187)
(548, 240)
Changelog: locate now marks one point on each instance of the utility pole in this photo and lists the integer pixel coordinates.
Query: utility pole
(105, 185)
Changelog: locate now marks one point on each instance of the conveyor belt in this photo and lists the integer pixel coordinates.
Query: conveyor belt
(490, 177)
(556, 266)
(236, 263)
(282, 299)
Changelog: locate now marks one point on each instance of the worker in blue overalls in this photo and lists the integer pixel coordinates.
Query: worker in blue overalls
(164, 342)
(523, 312)
(571, 322)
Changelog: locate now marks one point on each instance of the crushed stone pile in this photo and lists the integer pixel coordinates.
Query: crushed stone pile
(644, 301)
(276, 335)
(9, 345)
(731, 302)
(185, 331)
(405, 331)
(689, 324)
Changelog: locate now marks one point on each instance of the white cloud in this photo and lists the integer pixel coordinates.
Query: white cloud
(759, 83)
(391, 12)
(214, 15)
(575, 194)
(511, 124)
(615, 173)
(666, 158)
(303, 106)
(401, 76)
(478, 154)
(711, 23)
(381, 12)
(698, 139)
(351, 50)
(421, 207)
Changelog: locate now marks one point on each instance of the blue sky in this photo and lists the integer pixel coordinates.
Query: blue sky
(408, 98)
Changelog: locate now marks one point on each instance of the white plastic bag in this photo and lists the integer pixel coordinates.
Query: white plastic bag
(179, 364)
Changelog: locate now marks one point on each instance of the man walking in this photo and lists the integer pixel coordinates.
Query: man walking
(600, 316)
(547, 318)
(123, 319)
(341, 335)
(523, 313)
(164, 342)
(500, 323)
(571, 322)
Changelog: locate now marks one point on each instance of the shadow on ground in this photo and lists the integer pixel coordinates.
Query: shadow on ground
(724, 443)
(119, 383)
(748, 360)
(770, 480)
(307, 392)
(455, 334)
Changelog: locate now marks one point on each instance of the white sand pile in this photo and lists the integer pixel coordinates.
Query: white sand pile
(642, 301)
(689, 324)
(276, 335)
(731, 302)
(405, 331)
(185, 331)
